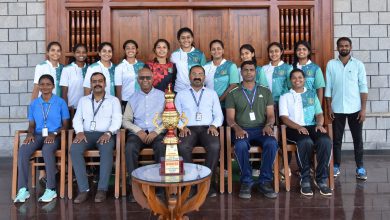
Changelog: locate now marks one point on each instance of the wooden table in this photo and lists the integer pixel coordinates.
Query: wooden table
(177, 189)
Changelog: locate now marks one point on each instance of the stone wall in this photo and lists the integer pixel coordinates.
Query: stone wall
(22, 46)
(367, 23)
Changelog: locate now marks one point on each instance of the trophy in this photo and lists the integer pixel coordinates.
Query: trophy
(171, 164)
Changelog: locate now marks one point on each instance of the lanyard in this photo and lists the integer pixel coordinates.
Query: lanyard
(45, 114)
(253, 97)
(200, 97)
(93, 106)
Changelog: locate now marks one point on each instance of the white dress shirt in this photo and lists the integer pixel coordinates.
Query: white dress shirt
(209, 107)
(108, 117)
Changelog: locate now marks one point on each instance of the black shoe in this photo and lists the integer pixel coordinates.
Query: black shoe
(267, 190)
(245, 191)
(324, 189)
(212, 192)
(130, 198)
(306, 189)
(81, 197)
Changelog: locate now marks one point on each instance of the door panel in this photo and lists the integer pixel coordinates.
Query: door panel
(165, 24)
(130, 24)
(210, 25)
(250, 26)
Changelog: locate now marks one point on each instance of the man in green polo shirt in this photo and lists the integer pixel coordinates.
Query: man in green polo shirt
(250, 112)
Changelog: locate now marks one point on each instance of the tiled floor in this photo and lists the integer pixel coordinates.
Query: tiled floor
(352, 199)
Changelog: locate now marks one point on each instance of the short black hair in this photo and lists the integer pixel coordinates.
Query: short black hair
(98, 73)
(344, 39)
(297, 70)
(248, 62)
(197, 66)
(46, 76)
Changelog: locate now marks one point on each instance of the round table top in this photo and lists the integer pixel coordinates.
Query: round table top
(151, 173)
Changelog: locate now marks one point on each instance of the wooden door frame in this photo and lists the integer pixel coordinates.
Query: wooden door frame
(56, 11)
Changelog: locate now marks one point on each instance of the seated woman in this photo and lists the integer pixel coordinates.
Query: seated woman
(47, 115)
(301, 111)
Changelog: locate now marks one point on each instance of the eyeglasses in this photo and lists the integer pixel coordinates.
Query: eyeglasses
(144, 77)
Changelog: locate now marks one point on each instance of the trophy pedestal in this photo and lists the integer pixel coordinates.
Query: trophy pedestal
(171, 167)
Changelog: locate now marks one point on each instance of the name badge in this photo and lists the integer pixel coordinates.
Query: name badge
(92, 127)
(45, 132)
(198, 116)
(252, 116)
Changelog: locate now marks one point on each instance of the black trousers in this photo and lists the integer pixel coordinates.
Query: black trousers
(200, 137)
(306, 144)
(356, 131)
(134, 145)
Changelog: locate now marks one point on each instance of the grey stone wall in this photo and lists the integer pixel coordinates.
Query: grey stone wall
(367, 23)
(22, 46)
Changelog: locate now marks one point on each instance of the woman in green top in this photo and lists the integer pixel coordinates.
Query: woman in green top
(221, 74)
(314, 76)
(277, 72)
(247, 53)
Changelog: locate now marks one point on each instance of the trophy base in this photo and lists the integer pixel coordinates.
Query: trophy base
(176, 167)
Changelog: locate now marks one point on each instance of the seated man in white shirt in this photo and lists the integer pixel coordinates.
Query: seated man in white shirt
(138, 119)
(203, 109)
(97, 118)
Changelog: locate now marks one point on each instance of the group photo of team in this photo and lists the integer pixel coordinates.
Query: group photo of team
(98, 99)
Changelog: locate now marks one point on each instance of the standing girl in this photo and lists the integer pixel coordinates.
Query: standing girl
(221, 74)
(277, 72)
(51, 66)
(127, 71)
(247, 52)
(313, 74)
(72, 78)
(164, 72)
(186, 57)
(105, 66)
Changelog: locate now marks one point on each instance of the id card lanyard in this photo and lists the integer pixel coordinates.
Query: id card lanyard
(252, 116)
(93, 122)
(45, 114)
(198, 115)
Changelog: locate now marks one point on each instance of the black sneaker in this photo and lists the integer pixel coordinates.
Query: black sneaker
(245, 191)
(324, 189)
(306, 189)
(267, 190)
(212, 192)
